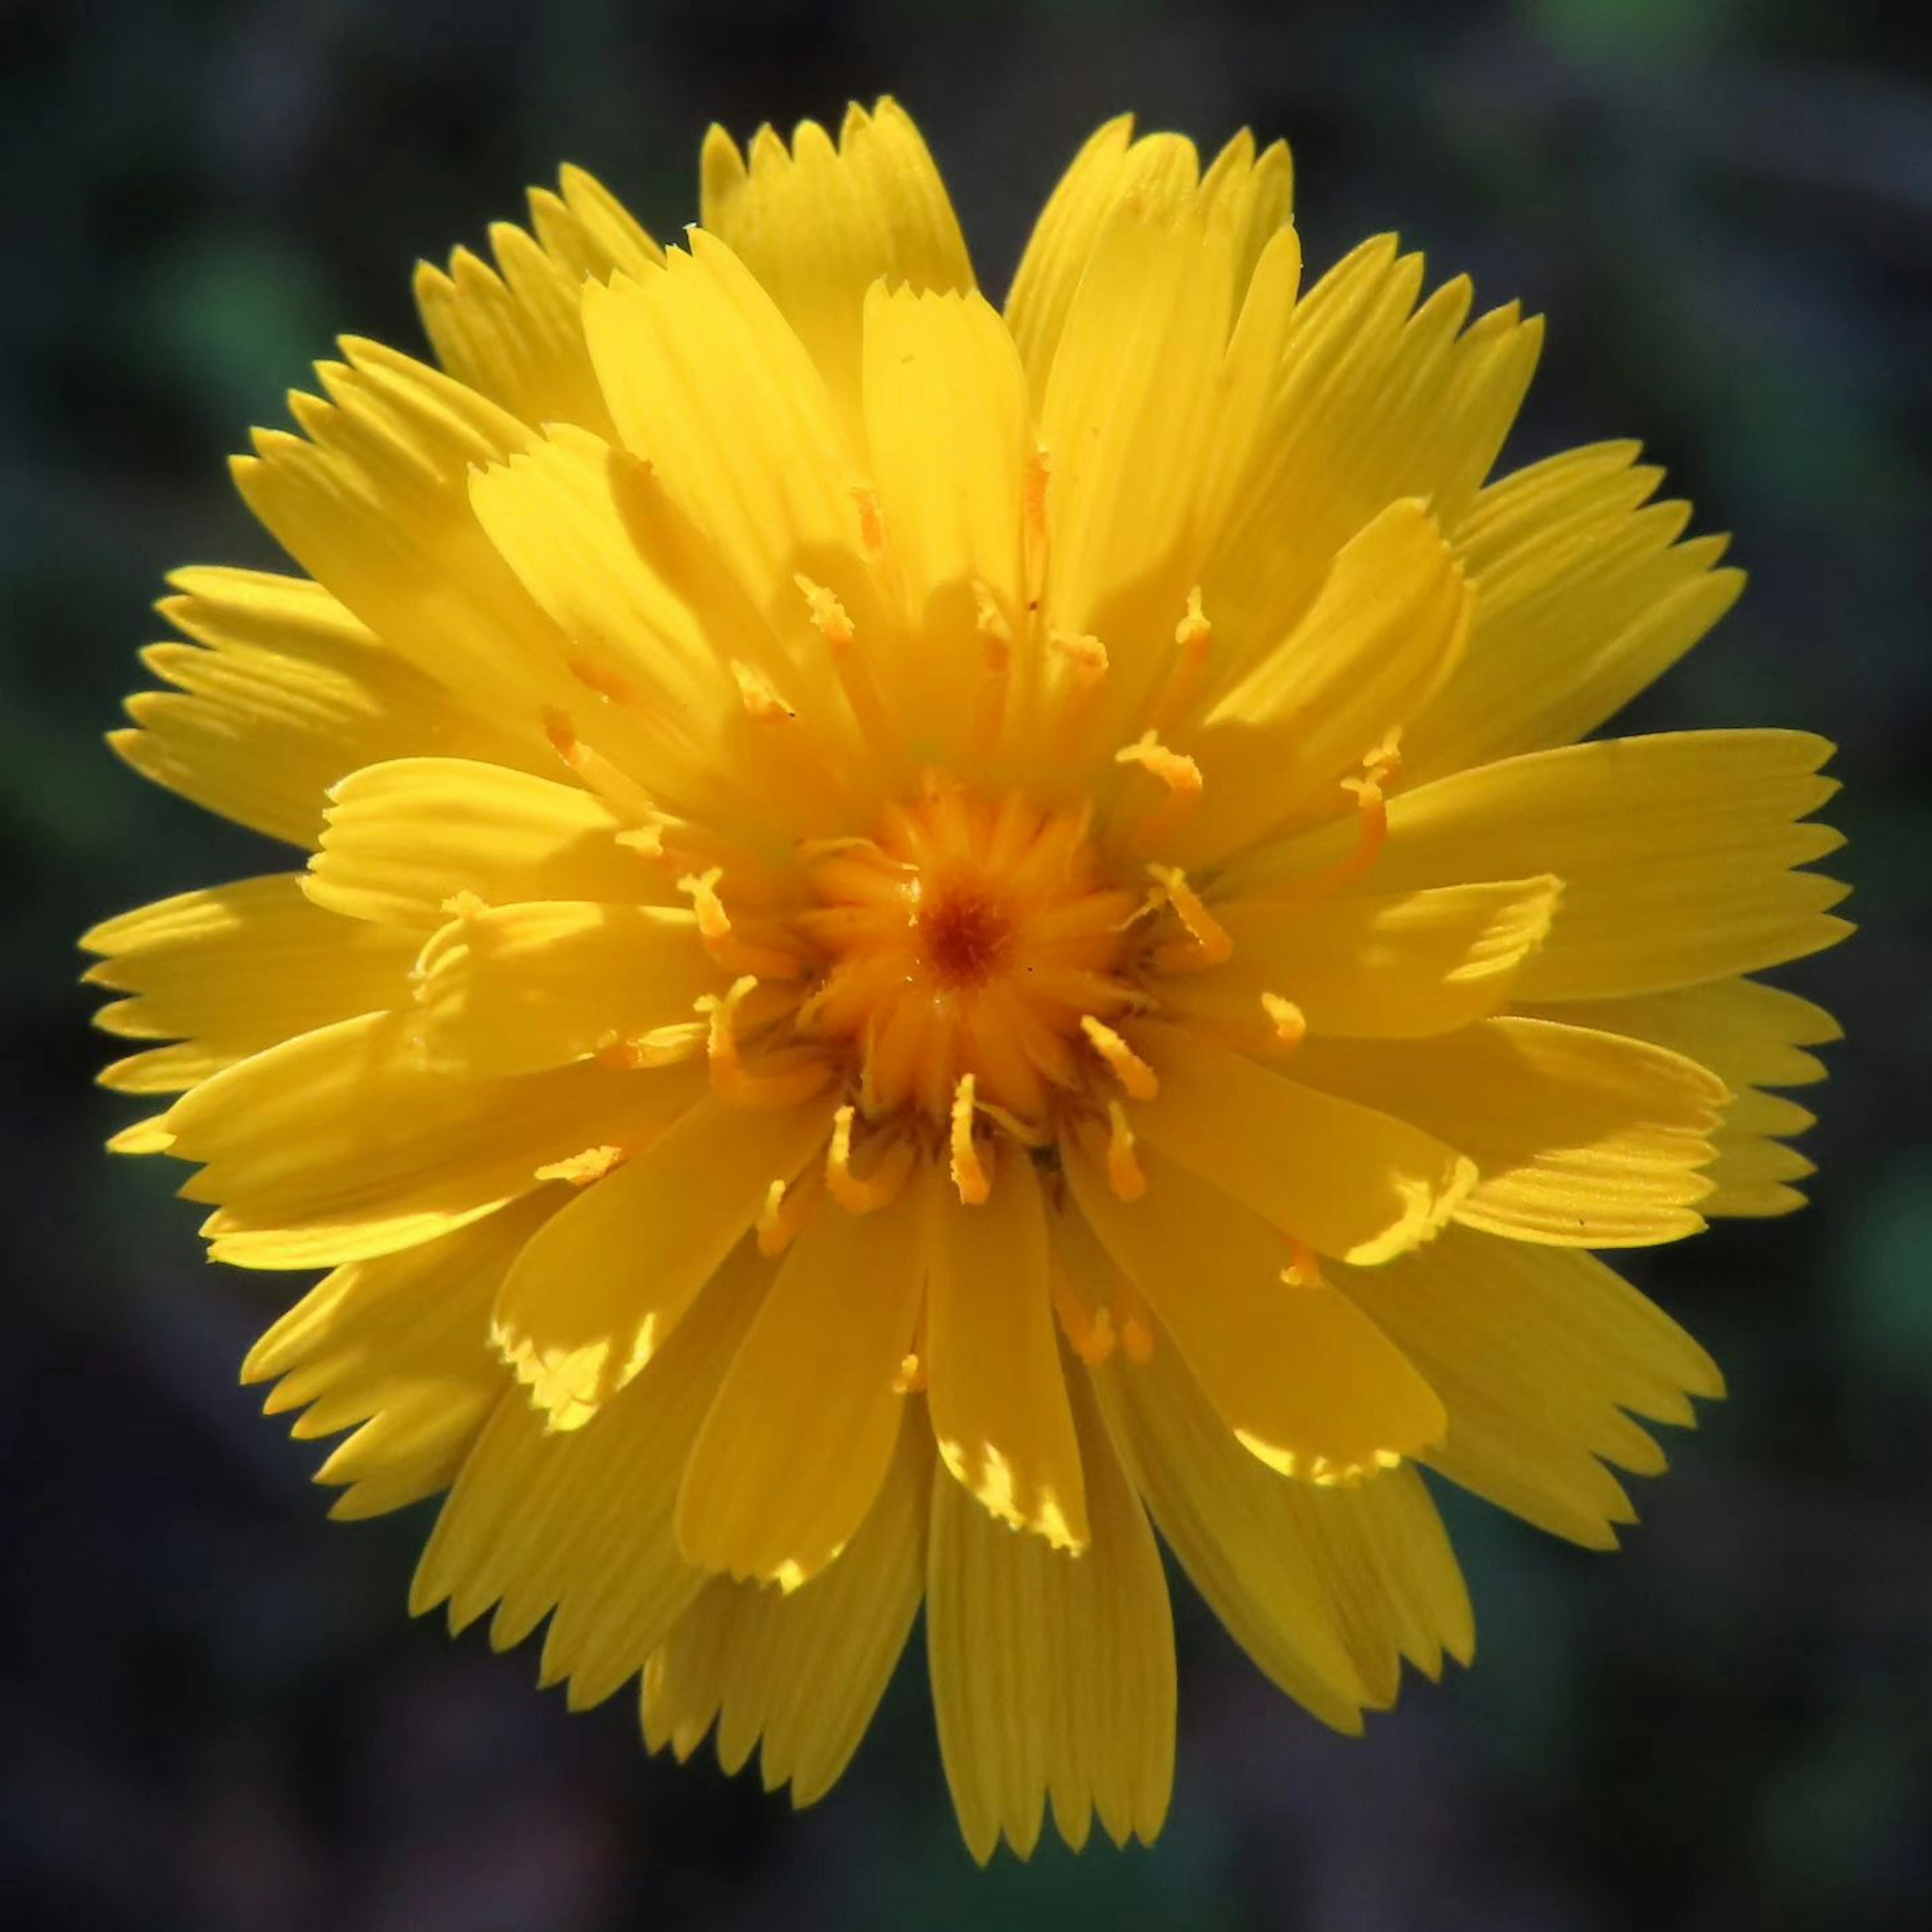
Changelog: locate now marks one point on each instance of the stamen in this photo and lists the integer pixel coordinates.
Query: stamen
(465, 905)
(877, 1190)
(796, 1081)
(1086, 654)
(1290, 1022)
(1209, 944)
(761, 702)
(855, 676)
(970, 1173)
(785, 1214)
(1379, 765)
(1194, 636)
(1125, 1175)
(1134, 1323)
(607, 683)
(596, 770)
(581, 1169)
(1304, 1266)
(872, 521)
(1134, 1074)
(1175, 769)
(911, 1376)
(714, 929)
(662, 1046)
(1089, 1330)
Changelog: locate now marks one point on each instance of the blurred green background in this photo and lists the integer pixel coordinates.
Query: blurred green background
(214, 1712)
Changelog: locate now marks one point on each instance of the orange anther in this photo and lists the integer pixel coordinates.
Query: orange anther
(970, 1173)
(1136, 1077)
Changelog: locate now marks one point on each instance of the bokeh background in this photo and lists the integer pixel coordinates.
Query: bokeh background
(214, 1712)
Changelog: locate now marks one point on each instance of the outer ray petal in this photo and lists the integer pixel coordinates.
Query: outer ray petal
(799, 1674)
(793, 1451)
(995, 1387)
(1584, 596)
(404, 838)
(1308, 1385)
(1385, 632)
(1582, 1139)
(1052, 1674)
(399, 1345)
(515, 333)
(338, 1145)
(1536, 1352)
(286, 693)
(234, 970)
(1676, 854)
(819, 225)
(521, 987)
(581, 1522)
(1348, 1180)
(595, 1295)
(1400, 966)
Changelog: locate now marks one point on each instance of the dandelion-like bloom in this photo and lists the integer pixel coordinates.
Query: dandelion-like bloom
(934, 939)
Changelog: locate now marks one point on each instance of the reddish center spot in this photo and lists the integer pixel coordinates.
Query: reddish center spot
(965, 934)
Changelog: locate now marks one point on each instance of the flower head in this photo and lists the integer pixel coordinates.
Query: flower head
(933, 938)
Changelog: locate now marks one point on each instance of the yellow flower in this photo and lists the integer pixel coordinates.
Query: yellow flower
(932, 935)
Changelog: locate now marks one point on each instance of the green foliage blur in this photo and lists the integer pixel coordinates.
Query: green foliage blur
(216, 1712)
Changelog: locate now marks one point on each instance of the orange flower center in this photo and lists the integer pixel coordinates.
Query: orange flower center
(964, 938)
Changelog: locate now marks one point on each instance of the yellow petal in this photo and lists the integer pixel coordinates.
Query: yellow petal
(1348, 1181)
(819, 225)
(1747, 1034)
(374, 502)
(521, 987)
(280, 693)
(401, 1345)
(764, 1497)
(1381, 638)
(233, 970)
(404, 838)
(994, 1385)
(656, 693)
(1373, 405)
(1537, 1353)
(1122, 419)
(1584, 596)
(707, 383)
(514, 332)
(1244, 196)
(1327, 1589)
(800, 1673)
(1397, 967)
(1052, 1674)
(594, 1296)
(1582, 1138)
(1307, 1384)
(339, 1145)
(581, 1522)
(949, 432)
(1675, 853)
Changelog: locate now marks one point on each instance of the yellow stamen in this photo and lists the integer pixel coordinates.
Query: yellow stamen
(911, 1376)
(866, 1194)
(1194, 636)
(1085, 654)
(1134, 1074)
(969, 1173)
(1208, 942)
(1125, 1175)
(761, 702)
(783, 1084)
(596, 770)
(1174, 769)
(581, 1169)
(1304, 1266)
(1289, 1021)
(1135, 1324)
(871, 521)
(662, 1046)
(1089, 1330)
(830, 620)
(714, 929)
(465, 905)
(785, 1212)
(1381, 763)
(599, 678)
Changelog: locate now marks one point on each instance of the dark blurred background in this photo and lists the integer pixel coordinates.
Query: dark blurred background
(214, 1712)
